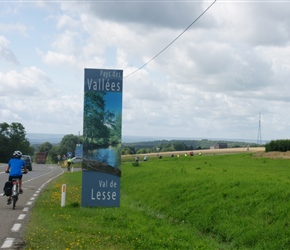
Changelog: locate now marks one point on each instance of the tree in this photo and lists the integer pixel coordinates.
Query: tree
(68, 144)
(53, 153)
(179, 146)
(13, 137)
(45, 147)
(5, 152)
(97, 121)
(116, 130)
(143, 151)
(128, 151)
(282, 145)
(167, 147)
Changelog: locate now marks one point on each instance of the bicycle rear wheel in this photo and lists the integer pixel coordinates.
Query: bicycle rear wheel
(14, 200)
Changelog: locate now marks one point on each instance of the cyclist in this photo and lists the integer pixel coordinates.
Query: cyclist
(69, 161)
(15, 165)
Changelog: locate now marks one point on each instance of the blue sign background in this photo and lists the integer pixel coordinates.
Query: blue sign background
(101, 189)
(79, 150)
(107, 80)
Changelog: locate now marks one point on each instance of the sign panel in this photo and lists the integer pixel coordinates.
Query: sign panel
(79, 150)
(101, 163)
(102, 189)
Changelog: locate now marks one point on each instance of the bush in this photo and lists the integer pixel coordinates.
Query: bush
(278, 145)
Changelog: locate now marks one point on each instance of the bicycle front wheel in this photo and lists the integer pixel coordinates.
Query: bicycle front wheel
(14, 200)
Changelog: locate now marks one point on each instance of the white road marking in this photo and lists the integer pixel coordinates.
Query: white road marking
(8, 243)
(26, 209)
(16, 227)
(21, 216)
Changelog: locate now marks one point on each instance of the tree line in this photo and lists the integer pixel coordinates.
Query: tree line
(67, 144)
(13, 137)
(176, 145)
(278, 145)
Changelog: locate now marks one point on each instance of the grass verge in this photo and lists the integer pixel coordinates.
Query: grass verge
(208, 202)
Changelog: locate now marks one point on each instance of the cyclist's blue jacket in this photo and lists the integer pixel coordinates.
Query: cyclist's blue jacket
(16, 165)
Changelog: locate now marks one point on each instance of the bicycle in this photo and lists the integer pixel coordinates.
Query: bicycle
(15, 191)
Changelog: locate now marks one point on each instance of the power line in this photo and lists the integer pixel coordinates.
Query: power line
(173, 40)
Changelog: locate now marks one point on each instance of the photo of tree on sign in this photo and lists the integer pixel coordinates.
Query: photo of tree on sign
(102, 132)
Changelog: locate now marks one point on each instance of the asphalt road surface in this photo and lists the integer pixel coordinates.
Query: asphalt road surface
(13, 222)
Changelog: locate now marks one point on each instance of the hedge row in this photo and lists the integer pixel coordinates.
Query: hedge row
(278, 145)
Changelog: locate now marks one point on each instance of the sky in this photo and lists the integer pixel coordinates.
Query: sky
(225, 74)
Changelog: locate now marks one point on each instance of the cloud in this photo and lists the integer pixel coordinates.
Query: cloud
(29, 97)
(31, 81)
(213, 81)
(13, 27)
(158, 14)
(55, 58)
(5, 53)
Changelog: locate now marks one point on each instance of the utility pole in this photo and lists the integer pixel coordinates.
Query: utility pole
(259, 138)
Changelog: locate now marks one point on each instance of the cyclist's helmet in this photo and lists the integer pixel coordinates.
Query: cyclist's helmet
(17, 154)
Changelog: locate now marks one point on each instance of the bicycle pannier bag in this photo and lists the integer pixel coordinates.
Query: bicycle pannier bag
(8, 188)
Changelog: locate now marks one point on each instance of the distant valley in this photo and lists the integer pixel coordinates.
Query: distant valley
(35, 138)
(38, 138)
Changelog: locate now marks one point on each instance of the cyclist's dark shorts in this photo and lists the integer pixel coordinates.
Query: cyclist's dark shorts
(15, 177)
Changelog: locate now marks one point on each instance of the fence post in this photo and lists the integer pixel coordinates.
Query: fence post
(63, 195)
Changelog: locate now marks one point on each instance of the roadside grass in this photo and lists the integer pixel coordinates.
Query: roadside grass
(202, 202)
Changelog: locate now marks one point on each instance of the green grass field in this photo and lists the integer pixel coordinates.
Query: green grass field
(232, 201)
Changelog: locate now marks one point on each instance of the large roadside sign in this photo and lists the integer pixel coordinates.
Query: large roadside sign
(79, 150)
(102, 126)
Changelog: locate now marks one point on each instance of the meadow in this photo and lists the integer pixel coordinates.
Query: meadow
(236, 201)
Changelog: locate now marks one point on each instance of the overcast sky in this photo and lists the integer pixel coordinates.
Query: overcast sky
(214, 81)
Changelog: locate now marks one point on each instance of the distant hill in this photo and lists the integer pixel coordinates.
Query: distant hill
(137, 139)
(190, 144)
(37, 138)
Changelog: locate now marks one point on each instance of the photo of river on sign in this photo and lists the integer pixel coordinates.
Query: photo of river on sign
(101, 163)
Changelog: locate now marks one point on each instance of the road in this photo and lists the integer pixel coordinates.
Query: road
(13, 222)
